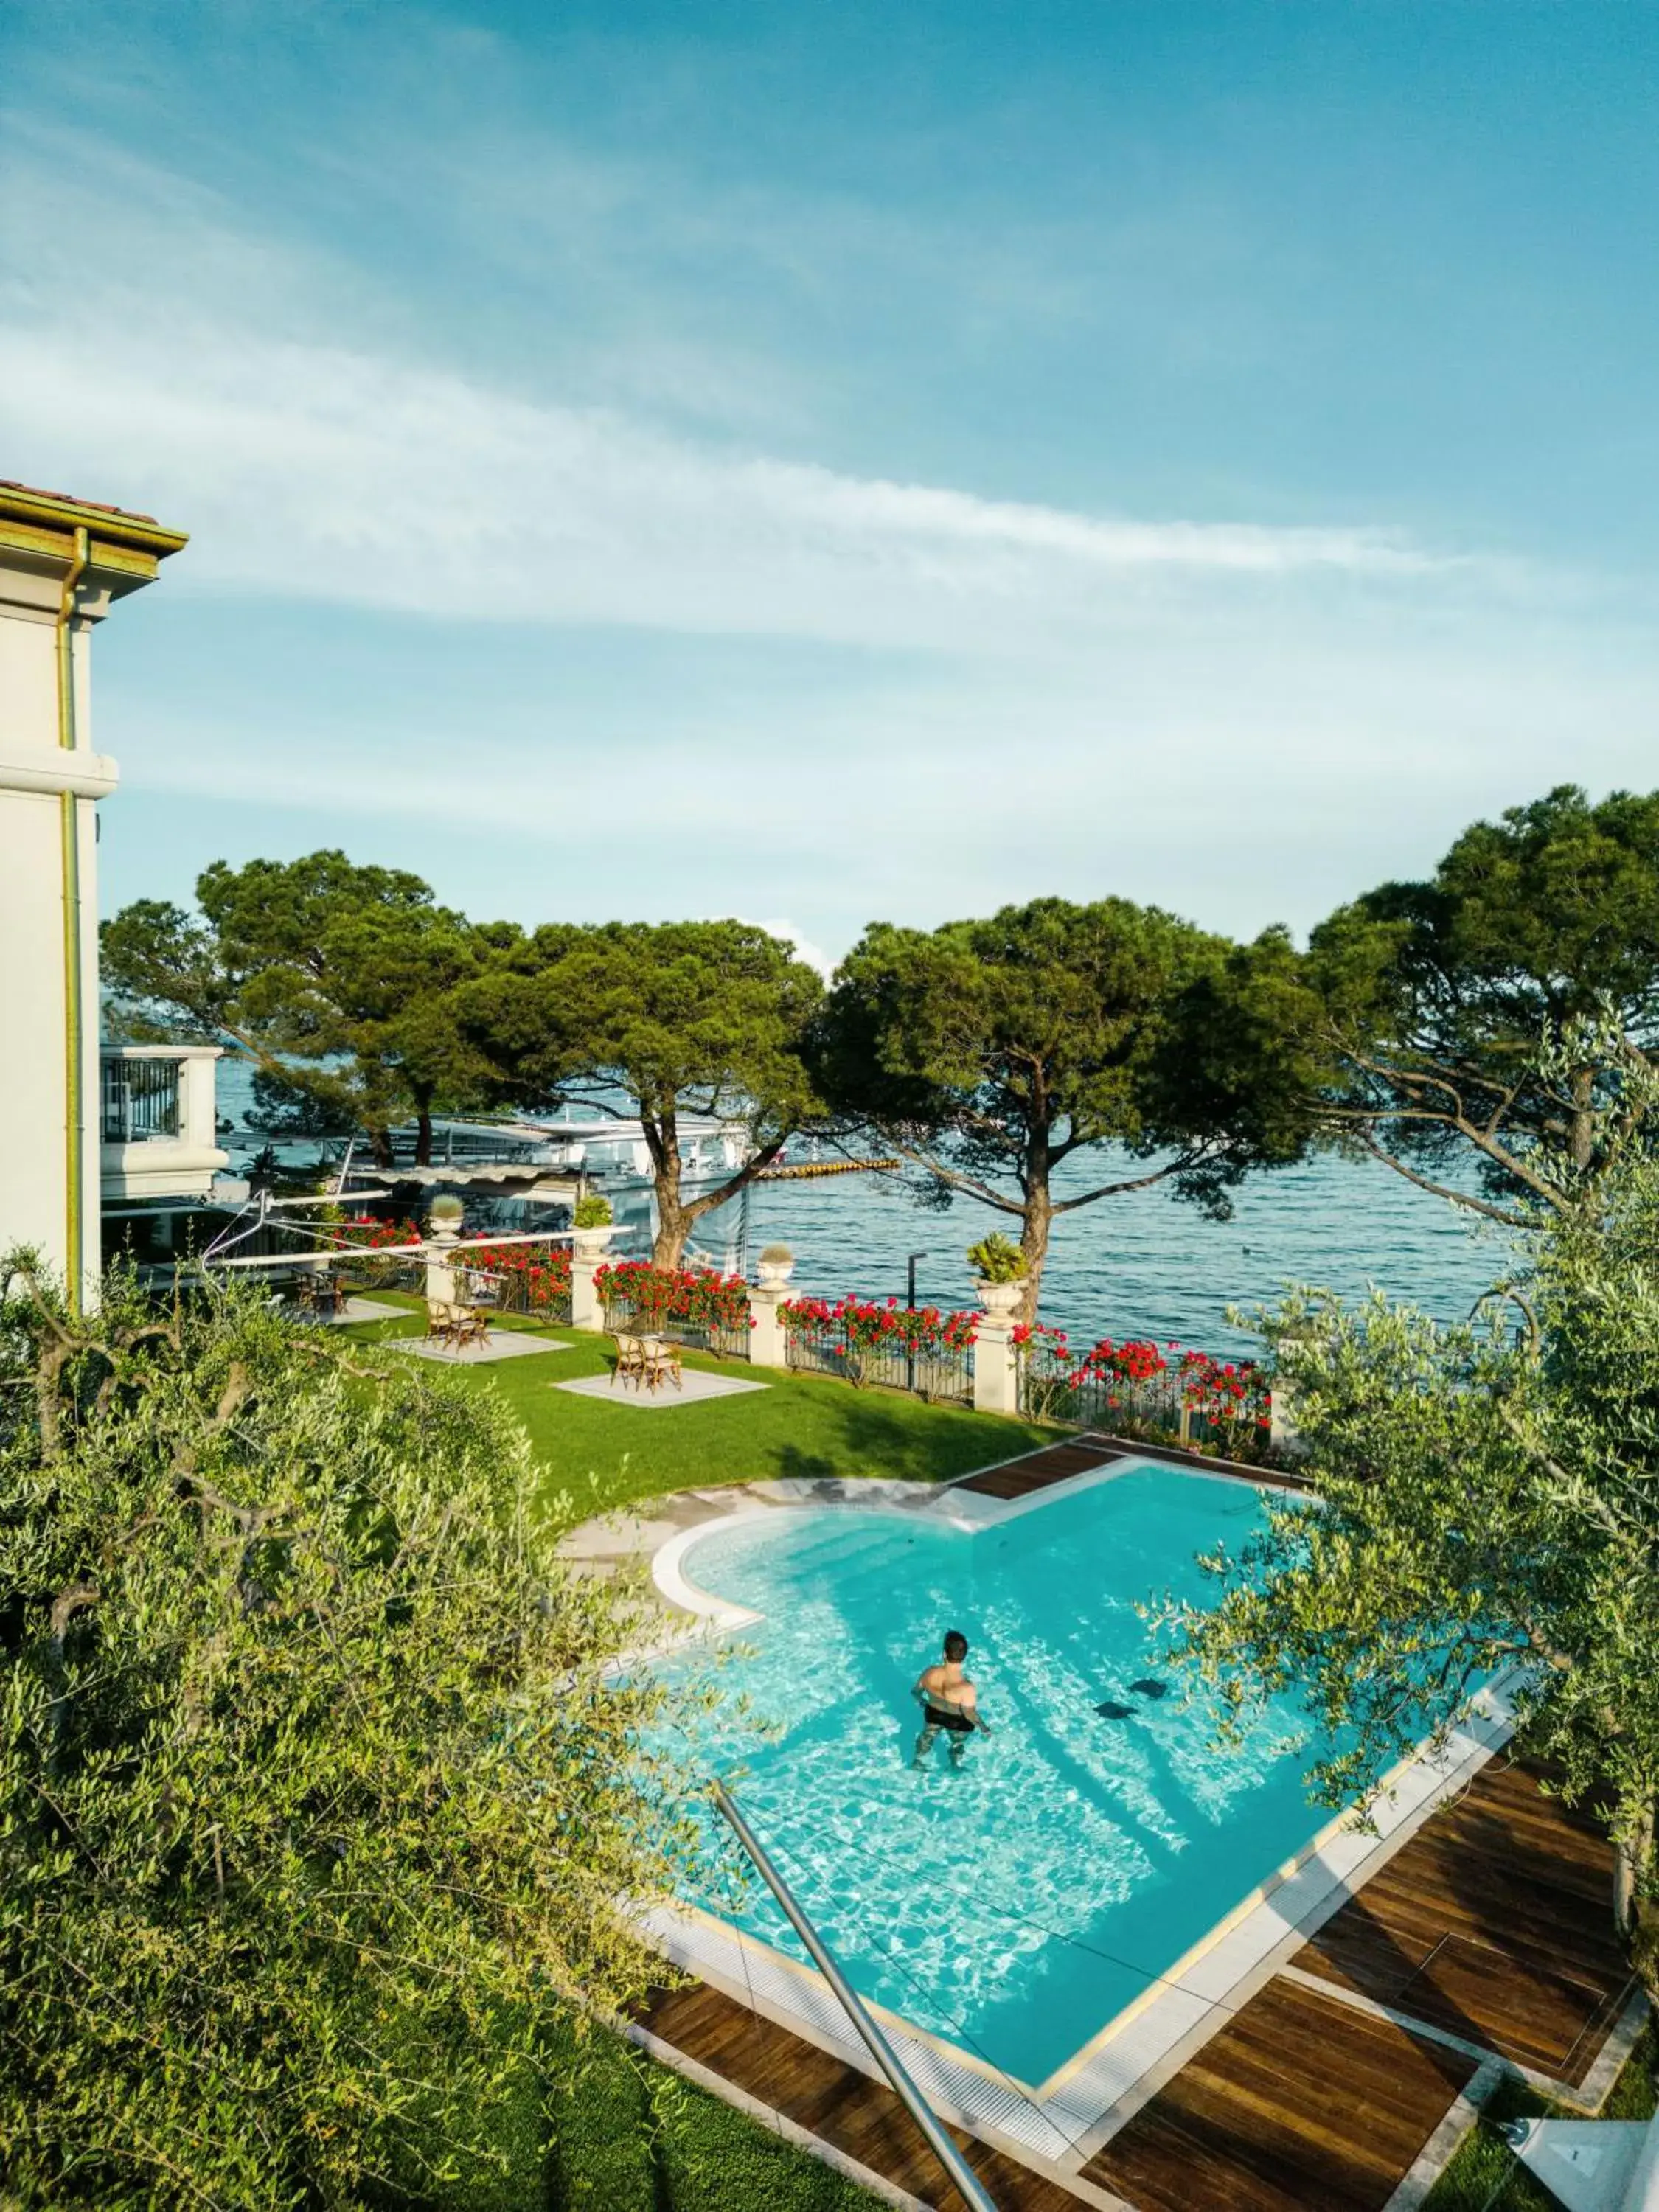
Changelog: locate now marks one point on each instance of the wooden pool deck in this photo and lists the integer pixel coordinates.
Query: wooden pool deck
(1482, 1943)
(1042, 1469)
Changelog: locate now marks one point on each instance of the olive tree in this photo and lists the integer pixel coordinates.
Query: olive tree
(320, 1794)
(1427, 999)
(1487, 1498)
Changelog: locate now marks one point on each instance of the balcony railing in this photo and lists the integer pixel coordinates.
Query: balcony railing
(140, 1101)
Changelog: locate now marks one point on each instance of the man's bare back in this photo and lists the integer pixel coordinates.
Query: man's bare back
(948, 1688)
(950, 1703)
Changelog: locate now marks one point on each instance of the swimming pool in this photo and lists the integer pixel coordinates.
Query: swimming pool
(1016, 1908)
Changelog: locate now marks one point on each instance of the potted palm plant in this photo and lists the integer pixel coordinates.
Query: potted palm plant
(1000, 1268)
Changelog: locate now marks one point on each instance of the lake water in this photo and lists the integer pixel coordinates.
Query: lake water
(1140, 1265)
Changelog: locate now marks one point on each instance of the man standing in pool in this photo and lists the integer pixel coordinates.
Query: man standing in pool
(949, 1703)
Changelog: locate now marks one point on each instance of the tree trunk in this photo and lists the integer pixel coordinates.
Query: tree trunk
(423, 1128)
(1631, 1855)
(661, 1124)
(379, 1141)
(1583, 1119)
(676, 1216)
(1038, 1218)
(672, 1228)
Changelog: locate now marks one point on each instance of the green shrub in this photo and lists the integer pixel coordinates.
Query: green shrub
(316, 1784)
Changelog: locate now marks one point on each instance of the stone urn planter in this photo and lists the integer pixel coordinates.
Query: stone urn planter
(590, 1243)
(774, 1267)
(999, 1299)
(445, 1217)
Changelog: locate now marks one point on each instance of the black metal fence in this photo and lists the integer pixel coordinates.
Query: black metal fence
(1155, 1410)
(140, 1101)
(943, 1376)
(722, 1339)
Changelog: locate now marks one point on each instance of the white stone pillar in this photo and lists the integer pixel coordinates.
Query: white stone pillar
(440, 1266)
(586, 1307)
(198, 1101)
(996, 1366)
(769, 1345)
(1282, 1435)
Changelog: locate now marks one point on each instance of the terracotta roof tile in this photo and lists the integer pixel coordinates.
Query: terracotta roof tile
(69, 499)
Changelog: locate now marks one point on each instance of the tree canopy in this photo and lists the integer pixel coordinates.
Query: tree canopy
(1432, 997)
(703, 1017)
(988, 1053)
(334, 980)
(319, 1789)
(1488, 1498)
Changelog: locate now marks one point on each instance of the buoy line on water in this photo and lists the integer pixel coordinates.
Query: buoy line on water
(810, 1168)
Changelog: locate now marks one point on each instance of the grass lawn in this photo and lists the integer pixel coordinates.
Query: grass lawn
(604, 1455)
(1484, 2175)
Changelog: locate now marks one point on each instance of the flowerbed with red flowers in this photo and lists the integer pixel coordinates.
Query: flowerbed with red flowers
(691, 1304)
(921, 1348)
(535, 1278)
(367, 1229)
(367, 1232)
(1140, 1389)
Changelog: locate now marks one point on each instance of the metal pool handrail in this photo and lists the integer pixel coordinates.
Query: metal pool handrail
(967, 2182)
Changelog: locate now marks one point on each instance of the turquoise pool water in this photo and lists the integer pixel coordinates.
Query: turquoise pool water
(1015, 1907)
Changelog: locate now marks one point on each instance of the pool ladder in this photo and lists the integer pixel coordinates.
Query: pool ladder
(968, 2184)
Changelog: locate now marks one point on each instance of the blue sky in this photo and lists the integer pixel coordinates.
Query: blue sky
(832, 462)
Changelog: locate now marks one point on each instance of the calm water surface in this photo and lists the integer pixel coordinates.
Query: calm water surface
(1141, 1265)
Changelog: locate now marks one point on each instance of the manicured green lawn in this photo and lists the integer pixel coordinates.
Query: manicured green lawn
(602, 1456)
(634, 2137)
(1484, 2176)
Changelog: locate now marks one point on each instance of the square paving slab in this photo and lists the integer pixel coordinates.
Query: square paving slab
(356, 1308)
(694, 1386)
(504, 1344)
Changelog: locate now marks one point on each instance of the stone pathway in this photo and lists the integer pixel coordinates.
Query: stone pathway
(356, 1308)
(616, 1541)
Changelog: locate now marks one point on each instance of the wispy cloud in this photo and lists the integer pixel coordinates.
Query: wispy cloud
(226, 390)
(867, 694)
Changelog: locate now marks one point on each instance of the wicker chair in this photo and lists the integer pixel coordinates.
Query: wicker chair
(471, 1327)
(662, 1363)
(629, 1364)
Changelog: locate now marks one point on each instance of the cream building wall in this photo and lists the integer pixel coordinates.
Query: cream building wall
(64, 563)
